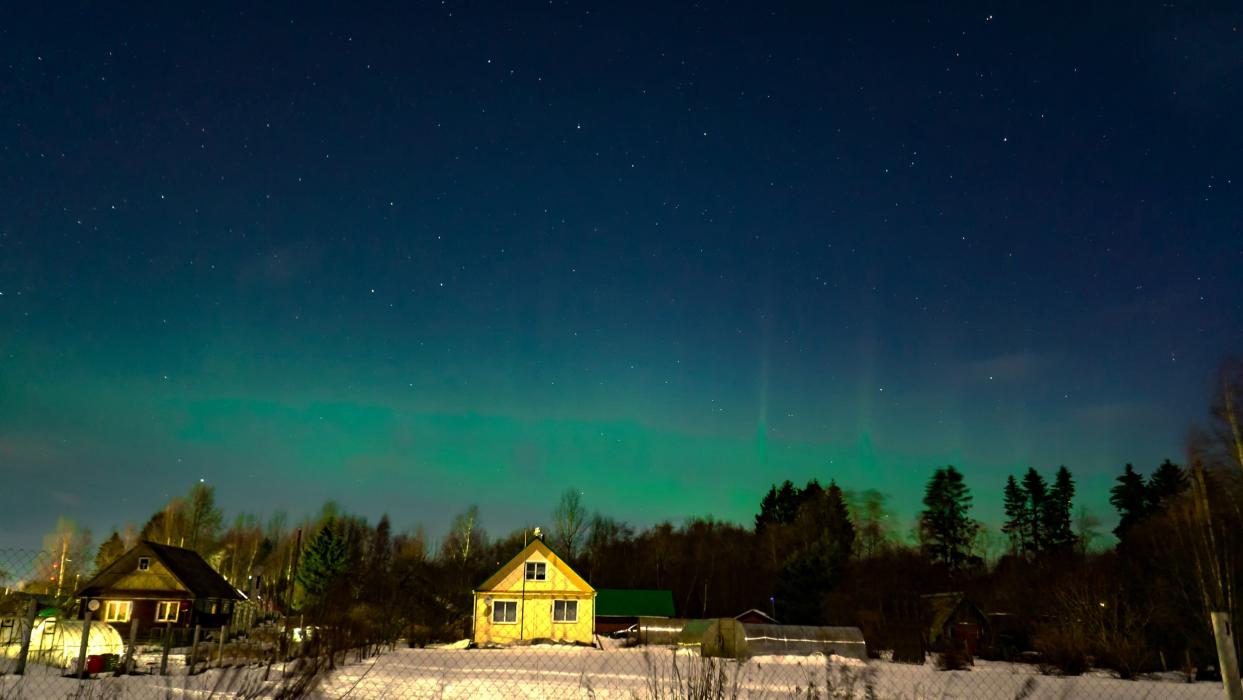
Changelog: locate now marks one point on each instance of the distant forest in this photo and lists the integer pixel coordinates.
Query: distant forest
(815, 554)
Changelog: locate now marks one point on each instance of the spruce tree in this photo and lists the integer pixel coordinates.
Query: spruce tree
(1017, 516)
(1130, 499)
(768, 507)
(788, 498)
(1037, 498)
(1059, 534)
(819, 563)
(1167, 482)
(110, 550)
(945, 528)
(322, 564)
(839, 531)
(781, 504)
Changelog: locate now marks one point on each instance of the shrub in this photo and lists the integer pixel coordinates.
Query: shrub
(1062, 651)
(953, 658)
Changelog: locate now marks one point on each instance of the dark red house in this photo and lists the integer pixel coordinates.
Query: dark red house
(159, 586)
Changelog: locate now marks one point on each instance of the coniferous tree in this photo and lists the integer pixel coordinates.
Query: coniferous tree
(768, 507)
(322, 564)
(1037, 491)
(1130, 499)
(110, 550)
(827, 540)
(945, 528)
(1018, 516)
(780, 505)
(1167, 482)
(1059, 533)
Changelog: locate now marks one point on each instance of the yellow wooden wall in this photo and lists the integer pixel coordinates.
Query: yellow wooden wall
(535, 608)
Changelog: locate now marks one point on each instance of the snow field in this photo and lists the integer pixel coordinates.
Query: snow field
(551, 672)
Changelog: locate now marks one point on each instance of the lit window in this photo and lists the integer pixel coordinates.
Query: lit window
(167, 610)
(144, 563)
(565, 611)
(536, 570)
(117, 610)
(505, 611)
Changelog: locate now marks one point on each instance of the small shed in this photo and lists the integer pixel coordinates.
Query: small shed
(729, 638)
(620, 608)
(58, 643)
(954, 618)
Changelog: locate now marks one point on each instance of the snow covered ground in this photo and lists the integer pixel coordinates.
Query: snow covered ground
(559, 672)
(569, 672)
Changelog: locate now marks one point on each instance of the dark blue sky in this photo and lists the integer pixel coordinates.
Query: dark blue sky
(418, 256)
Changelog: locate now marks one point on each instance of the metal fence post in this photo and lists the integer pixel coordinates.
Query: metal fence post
(32, 609)
(86, 633)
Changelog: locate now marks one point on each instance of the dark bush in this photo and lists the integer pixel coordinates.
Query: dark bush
(1062, 651)
(953, 658)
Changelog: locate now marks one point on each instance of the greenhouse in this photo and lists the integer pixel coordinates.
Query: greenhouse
(58, 643)
(728, 638)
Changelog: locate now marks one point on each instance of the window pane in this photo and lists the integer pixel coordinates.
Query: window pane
(565, 611)
(535, 571)
(505, 611)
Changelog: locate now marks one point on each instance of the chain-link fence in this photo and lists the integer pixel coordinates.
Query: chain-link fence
(48, 649)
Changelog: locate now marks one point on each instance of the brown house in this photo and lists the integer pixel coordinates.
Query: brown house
(159, 586)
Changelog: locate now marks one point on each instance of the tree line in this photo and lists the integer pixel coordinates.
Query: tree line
(814, 554)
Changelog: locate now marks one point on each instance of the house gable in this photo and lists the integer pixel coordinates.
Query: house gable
(123, 575)
(168, 570)
(559, 577)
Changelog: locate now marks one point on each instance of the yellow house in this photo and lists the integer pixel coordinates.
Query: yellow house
(534, 596)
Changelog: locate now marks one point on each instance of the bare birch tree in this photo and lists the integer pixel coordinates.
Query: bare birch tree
(569, 519)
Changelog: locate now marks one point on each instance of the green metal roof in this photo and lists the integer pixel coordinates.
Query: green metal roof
(634, 602)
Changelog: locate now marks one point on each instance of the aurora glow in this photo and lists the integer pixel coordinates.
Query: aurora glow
(477, 254)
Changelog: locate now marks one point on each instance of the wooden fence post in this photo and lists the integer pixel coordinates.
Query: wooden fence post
(223, 633)
(194, 650)
(168, 642)
(128, 667)
(32, 609)
(86, 634)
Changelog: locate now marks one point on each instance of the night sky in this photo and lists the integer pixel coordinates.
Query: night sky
(431, 254)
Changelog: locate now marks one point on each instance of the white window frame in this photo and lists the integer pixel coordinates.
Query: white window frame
(118, 610)
(163, 607)
(144, 563)
(536, 567)
(496, 608)
(566, 607)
